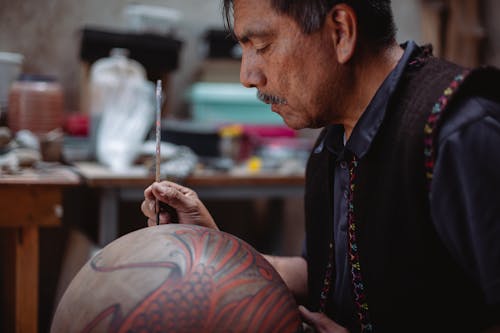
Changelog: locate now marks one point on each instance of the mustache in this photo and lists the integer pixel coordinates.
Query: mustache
(270, 99)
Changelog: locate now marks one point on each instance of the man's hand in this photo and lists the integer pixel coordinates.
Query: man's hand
(320, 322)
(190, 210)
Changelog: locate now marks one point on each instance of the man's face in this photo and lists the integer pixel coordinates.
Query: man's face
(293, 71)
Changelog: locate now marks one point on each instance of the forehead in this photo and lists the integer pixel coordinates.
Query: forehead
(255, 16)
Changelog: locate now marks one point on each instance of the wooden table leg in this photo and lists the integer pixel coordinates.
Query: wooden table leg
(24, 210)
(26, 279)
(28, 202)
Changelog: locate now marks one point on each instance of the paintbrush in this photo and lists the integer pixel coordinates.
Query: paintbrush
(160, 206)
(158, 145)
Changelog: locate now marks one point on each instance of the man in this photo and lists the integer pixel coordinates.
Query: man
(402, 220)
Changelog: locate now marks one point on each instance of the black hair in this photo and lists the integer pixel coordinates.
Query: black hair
(375, 19)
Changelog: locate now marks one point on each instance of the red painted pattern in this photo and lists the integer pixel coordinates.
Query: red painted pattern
(226, 286)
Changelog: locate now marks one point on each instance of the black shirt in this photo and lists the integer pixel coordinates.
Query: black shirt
(464, 203)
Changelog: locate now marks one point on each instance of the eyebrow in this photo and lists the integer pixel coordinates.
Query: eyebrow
(253, 33)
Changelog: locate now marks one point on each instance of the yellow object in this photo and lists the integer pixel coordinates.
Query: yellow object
(254, 164)
(234, 130)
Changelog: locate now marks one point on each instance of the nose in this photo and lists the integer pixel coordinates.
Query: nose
(251, 74)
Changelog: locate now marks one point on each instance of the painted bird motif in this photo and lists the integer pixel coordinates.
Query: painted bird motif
(217, 283)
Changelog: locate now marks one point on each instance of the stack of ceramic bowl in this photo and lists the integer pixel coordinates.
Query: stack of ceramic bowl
(36, 103)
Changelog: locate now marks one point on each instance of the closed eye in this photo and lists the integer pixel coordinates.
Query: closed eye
(262, 49)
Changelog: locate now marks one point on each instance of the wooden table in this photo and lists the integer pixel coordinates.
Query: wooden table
(130, 185)
(29, 201)
(33, 199)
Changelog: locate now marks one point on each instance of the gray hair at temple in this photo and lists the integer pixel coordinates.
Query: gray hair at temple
(375, 18)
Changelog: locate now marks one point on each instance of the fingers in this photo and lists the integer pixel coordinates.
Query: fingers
(312, 318)
(168, 192)
(321, 322)
(160, 188)
(148, 208)
(165, 217)
(185, 206)
(172, 197)
(151, 223)
(175, 195)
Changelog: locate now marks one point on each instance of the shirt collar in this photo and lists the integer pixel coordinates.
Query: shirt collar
(371, 119)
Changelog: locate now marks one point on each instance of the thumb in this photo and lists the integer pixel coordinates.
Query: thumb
(320, 321)
(312, 318)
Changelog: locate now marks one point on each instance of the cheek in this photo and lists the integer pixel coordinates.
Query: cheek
(277, 76)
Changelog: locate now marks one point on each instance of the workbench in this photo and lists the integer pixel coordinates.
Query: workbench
(33, 199)
(29, 201)
(114, 187)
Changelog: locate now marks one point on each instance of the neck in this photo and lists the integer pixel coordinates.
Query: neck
(368, 76)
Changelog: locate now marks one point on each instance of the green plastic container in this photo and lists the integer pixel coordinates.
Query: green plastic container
(220, 103)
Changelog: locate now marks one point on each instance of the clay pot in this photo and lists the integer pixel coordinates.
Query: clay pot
(177, 278)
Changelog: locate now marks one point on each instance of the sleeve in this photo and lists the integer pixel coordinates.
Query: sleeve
(465, 192)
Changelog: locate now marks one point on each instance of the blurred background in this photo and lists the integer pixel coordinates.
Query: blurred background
(95, 57)
(48, 33)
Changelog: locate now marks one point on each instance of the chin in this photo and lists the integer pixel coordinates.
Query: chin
(294, 125)
(297, 123)
(292, 122)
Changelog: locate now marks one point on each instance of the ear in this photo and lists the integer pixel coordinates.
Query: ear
(343, 24)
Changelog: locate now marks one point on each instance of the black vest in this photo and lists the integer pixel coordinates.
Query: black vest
(411, 282)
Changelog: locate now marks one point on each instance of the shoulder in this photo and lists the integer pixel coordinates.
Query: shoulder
(474, 113)
(474, 105)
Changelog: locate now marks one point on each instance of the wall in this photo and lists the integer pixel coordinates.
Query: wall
(491, 11)
(47, 33)
(407, 17)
